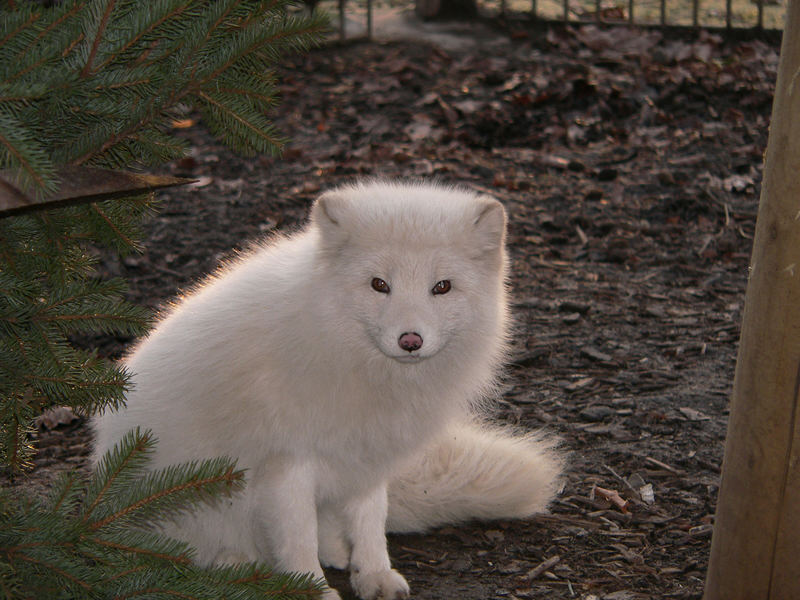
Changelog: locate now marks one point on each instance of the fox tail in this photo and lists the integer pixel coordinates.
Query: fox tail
(475, 471)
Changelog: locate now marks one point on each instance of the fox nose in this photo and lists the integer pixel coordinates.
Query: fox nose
(410, 341)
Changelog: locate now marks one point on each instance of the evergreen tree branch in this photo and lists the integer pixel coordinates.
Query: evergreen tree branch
(55, 235)
(98, 38)
(68, 50)
(25, 153)
(97, 82)
(27, 69)
(45, 39)
(53, 26)
(48, 550)
(258, 131)
(230, 478)
(49, 565)
(181, 559)
(77, 385)
(64, 489)
(132, 447)
(159, 592)
(24, 26)
(214, 26)
(90, 292)
(92, 317)
(12, 428)
(254, 40)
(174, 13)
(17, 416)
(99, 211)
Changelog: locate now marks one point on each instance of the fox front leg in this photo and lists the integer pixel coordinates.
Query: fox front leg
(289, 511)
(334, 546)
(371, 574)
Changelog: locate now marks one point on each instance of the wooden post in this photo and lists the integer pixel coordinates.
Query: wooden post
(755, 550)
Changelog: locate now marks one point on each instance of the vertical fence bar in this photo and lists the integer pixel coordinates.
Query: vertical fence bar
(503, 8)
(534, 10)
(663, 12)
(695, 12)
(761, 14)
(566, 11)
(597, 10)
(630, 12)
(728, 10)
(369, 19)
(342, 34)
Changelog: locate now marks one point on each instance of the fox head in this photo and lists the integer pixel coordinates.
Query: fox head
(416, 269)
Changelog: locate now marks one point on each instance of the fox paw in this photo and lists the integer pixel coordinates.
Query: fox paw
(380, 585)
(334, 552)
(331, 594)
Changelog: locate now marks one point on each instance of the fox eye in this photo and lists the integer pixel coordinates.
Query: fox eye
(379, 285)
(442, 287)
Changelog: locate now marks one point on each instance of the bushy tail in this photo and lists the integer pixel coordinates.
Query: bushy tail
(475, 472)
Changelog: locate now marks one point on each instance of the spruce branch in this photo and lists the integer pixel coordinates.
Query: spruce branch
(124, 462)
(160, 495)
(63, 497)
(98, 83)
(20, 148)
(145, 544)
(124, 68)
(17, 416)
(58, 22)
(119, 234)
(98, 37)
(162, 15)
(50, 550)
(49, 565)
(111, 497)
(239, 125)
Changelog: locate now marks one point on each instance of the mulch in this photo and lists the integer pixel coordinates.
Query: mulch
(630, 163)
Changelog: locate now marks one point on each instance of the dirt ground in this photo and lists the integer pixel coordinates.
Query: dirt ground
(630, 164)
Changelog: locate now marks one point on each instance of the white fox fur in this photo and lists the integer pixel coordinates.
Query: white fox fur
(333, 363)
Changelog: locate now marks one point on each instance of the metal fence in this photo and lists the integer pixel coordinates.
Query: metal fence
(760, 15)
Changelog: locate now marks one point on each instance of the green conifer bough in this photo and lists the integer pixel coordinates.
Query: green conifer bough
(98, 83)
(86, 540)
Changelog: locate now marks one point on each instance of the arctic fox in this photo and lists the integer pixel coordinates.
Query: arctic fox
(337, 363)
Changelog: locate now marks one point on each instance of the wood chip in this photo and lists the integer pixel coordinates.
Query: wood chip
(542, 567)
(595, 354)
(664, 466)
(693, 415)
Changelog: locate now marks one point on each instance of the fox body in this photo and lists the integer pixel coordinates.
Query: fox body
(343, 366)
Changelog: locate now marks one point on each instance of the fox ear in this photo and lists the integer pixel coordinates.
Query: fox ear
(329, 211)
(490, 224)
